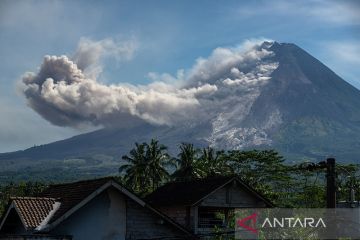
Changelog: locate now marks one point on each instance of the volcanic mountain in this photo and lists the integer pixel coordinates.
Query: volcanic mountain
(287, 101)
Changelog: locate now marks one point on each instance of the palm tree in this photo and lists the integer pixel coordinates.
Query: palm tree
(213, 162)
(136, 170)
(146, 167)
(158, 160)
(187, 163)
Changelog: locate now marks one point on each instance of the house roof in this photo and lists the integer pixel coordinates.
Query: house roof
(72, 194)
(191, 192)
(58, 202)
(33, 210)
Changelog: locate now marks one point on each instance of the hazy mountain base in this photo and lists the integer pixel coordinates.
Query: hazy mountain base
(54, 170)
(312, 139)
(306, 139)
(86, 156)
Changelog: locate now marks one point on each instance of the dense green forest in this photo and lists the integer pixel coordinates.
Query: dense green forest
(149, 165)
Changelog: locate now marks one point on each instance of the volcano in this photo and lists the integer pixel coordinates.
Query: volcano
(288, 101)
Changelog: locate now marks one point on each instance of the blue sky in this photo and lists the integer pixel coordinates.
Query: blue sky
(167, 35)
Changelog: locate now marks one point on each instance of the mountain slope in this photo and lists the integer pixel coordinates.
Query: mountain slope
(289, 101)
(320, 110)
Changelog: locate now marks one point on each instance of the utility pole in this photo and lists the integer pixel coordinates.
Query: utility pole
(330, 183)
(330, 179)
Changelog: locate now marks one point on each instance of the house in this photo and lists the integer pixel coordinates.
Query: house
(203, 204)
(94, 209)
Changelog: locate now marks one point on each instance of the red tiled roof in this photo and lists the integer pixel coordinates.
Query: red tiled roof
(33, 210)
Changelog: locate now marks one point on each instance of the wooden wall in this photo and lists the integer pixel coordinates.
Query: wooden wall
(233, 195)
(141, 223)
(180, 214)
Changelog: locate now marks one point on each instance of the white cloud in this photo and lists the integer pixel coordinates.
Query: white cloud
(343, 57)
(340, 12)
(329, 11)
(48, 19)
(345, 51)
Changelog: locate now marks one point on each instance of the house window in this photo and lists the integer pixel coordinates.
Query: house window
(211, 217)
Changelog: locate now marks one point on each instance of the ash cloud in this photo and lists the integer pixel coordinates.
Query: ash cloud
(257, 76)
(89, 53)
(66, 92)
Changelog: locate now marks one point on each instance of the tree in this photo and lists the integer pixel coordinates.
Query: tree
(347, 181)
(21, 189)
(136, 170)
(257, 167)
(213, 163)
(264, 170)
(158, 159)
(188, 164)
(146, 167)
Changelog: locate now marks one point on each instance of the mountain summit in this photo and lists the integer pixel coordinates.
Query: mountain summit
(304, 110)
(283, 98)
(320, 111)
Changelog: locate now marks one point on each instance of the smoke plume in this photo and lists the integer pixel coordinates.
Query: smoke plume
(65, 91)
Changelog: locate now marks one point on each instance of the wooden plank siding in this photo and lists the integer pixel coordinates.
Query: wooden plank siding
(205, 204)
(233, 196)
(139, 219)
(180, 214)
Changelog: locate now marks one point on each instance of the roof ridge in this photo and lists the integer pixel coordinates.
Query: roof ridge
(188, 192)
(33, 198)
(84, 181)
(185, 180)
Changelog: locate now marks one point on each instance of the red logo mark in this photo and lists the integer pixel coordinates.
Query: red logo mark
(252, 218)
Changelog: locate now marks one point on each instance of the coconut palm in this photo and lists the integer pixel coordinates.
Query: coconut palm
(135, 172)
(146, 167)
(158, 161)
(213, 163)
(188, 166)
